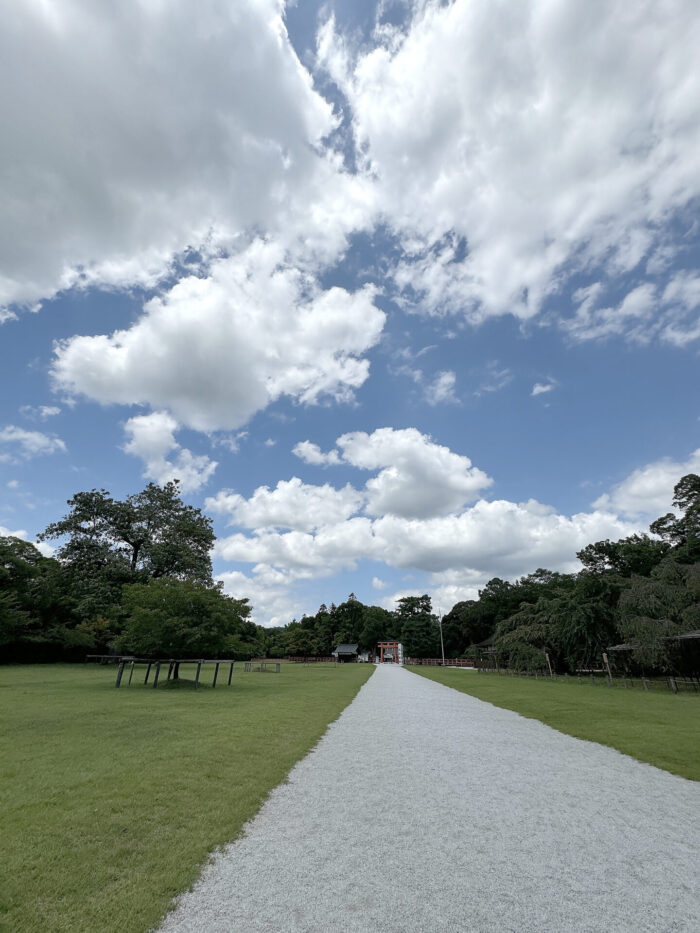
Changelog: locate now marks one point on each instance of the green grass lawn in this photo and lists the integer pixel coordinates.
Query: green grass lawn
(112, 799)
(656, 727)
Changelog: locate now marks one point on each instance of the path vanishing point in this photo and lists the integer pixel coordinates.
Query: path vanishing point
(424, 809)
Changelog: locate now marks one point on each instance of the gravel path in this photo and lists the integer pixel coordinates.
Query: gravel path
(423, 809)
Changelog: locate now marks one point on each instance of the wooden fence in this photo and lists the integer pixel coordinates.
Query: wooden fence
(601, 678)
(437, 662)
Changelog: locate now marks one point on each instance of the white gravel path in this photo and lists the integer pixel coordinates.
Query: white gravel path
(424, 809)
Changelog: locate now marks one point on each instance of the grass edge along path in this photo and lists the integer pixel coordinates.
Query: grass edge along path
(113, 800)
(657, 728)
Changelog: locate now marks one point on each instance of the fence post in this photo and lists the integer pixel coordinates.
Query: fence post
(607, 667)
(672, 684)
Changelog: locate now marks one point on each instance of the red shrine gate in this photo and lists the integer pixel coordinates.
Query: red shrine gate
(390, 651)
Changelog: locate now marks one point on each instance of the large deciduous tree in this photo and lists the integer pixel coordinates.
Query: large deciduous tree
(147, 536)
(174, 618)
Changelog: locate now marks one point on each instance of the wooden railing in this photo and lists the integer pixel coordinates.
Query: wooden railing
(437, 662)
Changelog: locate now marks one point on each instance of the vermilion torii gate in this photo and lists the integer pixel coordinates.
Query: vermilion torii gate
(392, 649)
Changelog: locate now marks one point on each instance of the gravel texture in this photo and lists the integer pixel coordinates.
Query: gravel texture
(425, 809)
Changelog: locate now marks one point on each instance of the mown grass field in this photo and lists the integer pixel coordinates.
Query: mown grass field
(112, 799)
(659, 728)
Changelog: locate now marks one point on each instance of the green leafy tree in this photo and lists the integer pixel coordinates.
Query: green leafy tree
(39, 616)
(347, 621)
(574, 619)
(167, 617)
(655, 609)
(148, 535)
(14, 621)
(378, 624)
(301, 641)
(683, 532)
(419, 629)
(638, 554)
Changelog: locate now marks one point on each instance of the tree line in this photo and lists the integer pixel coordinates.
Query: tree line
(135, 576)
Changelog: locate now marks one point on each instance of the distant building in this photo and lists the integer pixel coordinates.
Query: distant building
(346, 653)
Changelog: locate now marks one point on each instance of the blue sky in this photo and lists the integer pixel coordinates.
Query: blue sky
(405, 294)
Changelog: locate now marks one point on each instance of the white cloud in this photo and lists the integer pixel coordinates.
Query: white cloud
(40, 412)
(8, 533)
(28, 444)
(269, 592)
(490, 538)
(6, 316)
(214, 351)
(453, 586)
(291, 504)
(417, 477)
(631, 316)
(540, 388)
(441, 389)
(12, 484)
(379, 584)
(42, 546)
(420, 523)
(199, 128)
(648, 490)
(152, 438)
(312, 453)
(516, 147)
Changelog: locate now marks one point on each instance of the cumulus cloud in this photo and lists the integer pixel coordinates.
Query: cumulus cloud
(648, 490)
(516, 148)
(291, 504)
(199, 128)
(213, 351)
(490, 538)
(417, 477)
(312, 453)
(452, 586)
(27, 444)
(268, 591)
(152, 438)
